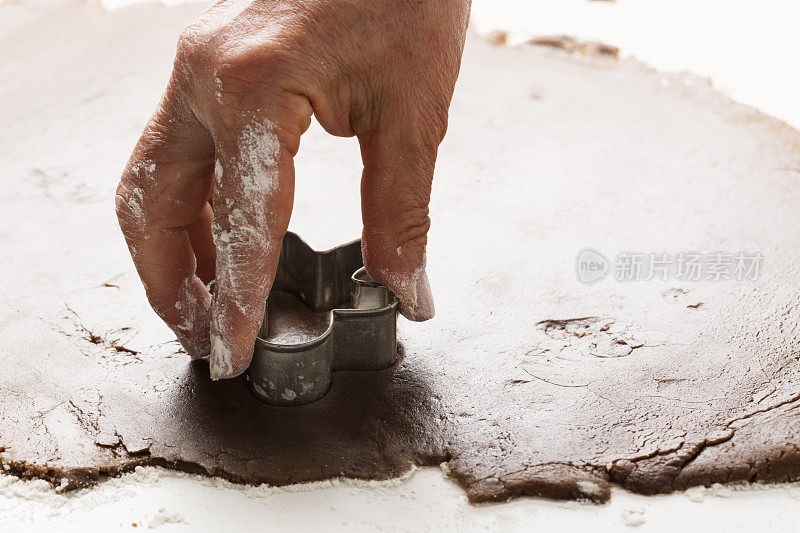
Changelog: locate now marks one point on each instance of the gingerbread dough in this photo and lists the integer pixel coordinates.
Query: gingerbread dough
(526, 382)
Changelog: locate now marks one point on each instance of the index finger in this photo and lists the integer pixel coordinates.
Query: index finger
(253, 194)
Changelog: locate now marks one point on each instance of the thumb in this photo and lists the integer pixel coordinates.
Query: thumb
(395, 192)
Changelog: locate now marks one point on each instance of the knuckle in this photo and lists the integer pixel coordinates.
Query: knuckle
(400, 228)
(292, 116)
(233, 69)
(438, 128)
(194, 45)
(432, 126)
(129, 207)
(239, 66)
(405, 245)
(411, 227)
(245, 78)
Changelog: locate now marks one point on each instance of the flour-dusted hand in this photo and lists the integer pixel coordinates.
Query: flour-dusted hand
(208, 191)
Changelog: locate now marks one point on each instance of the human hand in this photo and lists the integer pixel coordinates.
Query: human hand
(208, 191)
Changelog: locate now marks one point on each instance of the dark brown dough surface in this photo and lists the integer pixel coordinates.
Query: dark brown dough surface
(527, 381)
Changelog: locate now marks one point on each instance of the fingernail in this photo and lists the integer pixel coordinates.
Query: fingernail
(416, 298)
(221, 360)
(191, 317)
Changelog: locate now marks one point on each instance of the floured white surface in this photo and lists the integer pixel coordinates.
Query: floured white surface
(426, 501)
(748, 49)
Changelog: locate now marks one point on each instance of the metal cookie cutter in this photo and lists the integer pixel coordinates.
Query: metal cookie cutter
(361, 332)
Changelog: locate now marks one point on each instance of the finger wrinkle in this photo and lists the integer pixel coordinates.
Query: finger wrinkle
(132, 197)
(130, 210)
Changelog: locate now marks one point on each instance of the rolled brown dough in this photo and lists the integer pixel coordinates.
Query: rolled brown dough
(513, 383)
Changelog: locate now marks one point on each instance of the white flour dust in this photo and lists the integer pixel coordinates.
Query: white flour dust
(88, 498)
(163, 516)
(633, 517)
(244, 182)
(698, 494)
(589, 488)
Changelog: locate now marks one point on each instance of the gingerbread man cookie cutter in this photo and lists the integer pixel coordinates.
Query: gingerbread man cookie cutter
(362, 324)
